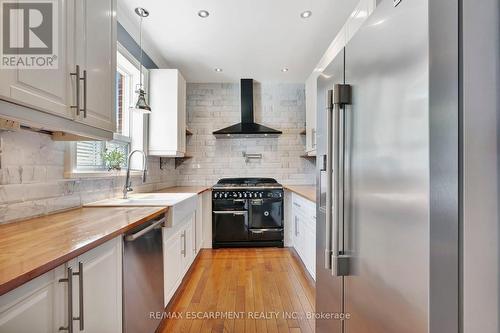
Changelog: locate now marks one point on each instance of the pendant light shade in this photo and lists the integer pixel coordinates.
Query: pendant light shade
(141, 105)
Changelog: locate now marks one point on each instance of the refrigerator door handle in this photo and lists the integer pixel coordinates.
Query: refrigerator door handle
(329, 169)
(340, 261)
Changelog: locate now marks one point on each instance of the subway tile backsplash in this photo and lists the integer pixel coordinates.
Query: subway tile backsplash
(212, 106)
(32, 179)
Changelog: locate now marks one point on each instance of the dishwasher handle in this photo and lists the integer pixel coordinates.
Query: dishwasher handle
(133, 237)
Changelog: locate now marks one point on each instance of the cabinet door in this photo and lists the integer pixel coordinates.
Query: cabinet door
(297, 236)
(102, 289)
(181, 105)
(37, 306)
(311, 90)
(48, 90)
(95, 31)
(172, 262)
(310, 251)
(198, 243)
(188, 249)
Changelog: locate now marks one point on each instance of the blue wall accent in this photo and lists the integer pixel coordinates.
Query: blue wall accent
(129, 43)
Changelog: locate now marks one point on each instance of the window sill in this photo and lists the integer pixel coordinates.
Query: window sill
(99, 174)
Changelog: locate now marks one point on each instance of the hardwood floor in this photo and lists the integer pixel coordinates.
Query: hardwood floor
(265, 290)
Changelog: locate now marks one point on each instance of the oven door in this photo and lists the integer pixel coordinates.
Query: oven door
(266, 213)
(230, 226)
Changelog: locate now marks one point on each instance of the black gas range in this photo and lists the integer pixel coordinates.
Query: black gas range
(247, 212)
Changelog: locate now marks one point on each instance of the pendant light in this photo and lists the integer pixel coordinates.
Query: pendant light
(141, 104)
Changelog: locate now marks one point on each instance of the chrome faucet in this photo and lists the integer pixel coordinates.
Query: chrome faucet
(128, 183)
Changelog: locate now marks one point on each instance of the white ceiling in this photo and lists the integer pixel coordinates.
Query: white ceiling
(251, 38)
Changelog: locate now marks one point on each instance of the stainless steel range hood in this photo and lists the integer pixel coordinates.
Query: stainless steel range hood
(247, 127)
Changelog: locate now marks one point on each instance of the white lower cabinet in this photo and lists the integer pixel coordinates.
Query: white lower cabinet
(172, 276)
(36, 306)
(178, 254)
(198, 232)
(41, 305)
(303, 231)
(101, 289)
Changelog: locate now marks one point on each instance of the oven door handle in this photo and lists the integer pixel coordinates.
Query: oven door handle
(261, 231)
(229, 212)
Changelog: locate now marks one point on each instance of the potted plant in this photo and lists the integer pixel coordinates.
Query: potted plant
(113, 159)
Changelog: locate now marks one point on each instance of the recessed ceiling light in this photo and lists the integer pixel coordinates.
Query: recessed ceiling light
(203, 13)
(306, 14)
(218, 69)
(284, 70)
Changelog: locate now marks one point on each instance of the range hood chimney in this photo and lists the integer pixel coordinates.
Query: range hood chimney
(247, 127)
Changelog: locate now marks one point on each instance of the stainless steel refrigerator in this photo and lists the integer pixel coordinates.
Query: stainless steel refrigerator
(387, 174)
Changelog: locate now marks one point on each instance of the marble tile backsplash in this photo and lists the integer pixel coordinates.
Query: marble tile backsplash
(212, 106)
(32, 179)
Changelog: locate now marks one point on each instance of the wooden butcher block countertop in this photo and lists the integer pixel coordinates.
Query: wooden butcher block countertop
(306, 191)
(33, 247)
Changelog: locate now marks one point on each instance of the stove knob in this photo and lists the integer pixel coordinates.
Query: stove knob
(225, 195)
(260, 195)
(240, 195)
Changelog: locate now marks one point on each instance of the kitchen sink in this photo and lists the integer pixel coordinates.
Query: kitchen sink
(180, 205)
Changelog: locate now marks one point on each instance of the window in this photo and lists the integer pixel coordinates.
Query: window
(87, 156)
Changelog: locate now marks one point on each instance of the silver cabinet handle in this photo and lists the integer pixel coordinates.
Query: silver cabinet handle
(239, 200)
(296, 226)
(313, 137)
(296, 204)
(183, 249)
(185, 246)
(133, 237)
(84, 78)
(80, 292)
(77, 74)
(69, 315)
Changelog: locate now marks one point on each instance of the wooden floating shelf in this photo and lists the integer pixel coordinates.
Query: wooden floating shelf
(309, 157)
(188, 132)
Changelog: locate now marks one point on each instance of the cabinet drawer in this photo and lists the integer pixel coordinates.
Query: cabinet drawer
(306, 207)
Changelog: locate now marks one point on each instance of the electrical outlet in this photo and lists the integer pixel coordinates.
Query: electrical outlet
(9, 125)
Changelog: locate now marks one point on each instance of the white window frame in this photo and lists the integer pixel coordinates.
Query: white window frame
(141, 142)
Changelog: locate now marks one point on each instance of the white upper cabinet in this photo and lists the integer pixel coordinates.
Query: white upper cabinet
(44, 89)
(311, 90)
(81, 90)
(95, 54)
(167, 122)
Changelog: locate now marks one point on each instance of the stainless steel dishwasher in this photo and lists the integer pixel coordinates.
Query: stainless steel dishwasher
(143, 277)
